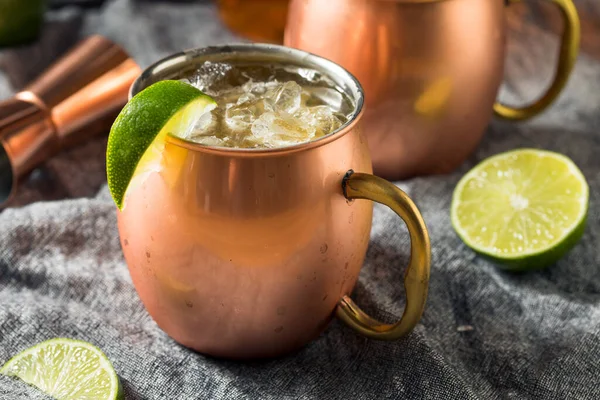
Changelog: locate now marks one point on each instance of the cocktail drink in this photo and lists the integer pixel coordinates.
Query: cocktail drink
(266, 106)
(238, 224)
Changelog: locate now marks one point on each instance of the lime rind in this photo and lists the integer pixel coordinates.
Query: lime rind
(535, 257)
(540, 259)
(27, 367)
(166, 107)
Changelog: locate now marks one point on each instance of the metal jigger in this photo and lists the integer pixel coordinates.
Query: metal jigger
(77, 97)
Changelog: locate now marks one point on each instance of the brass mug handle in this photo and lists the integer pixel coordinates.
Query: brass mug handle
(569, 47)
(416, 277)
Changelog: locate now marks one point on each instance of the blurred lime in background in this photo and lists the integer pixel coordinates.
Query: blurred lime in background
(20, 21)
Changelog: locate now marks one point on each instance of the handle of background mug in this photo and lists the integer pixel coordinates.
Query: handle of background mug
(416, 277)
(569, 47)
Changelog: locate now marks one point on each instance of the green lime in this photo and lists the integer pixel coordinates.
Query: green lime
(523, 209)
(138, 134)
(20, 21)
(66, 369)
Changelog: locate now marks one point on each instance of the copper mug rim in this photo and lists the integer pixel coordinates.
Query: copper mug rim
(171, 67)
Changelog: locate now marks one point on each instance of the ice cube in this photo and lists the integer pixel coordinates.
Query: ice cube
(258, 88)
(211, 76)
(206, 125)
(240, 116)
(320, 118)
(246, 97)
(286, 97)
(325, 121)
(274, 129)
(304, 116)
(207, 122)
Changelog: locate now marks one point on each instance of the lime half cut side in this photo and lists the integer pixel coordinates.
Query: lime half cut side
(66, 369)
(137, 137)
(523, 209)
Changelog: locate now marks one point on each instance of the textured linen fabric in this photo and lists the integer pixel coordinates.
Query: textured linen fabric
(485, 334)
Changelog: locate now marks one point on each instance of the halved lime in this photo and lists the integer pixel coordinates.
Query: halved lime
(66, 369)
(138, 134)
(523, 209)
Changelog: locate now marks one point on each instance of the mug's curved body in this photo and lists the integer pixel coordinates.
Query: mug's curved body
(431, 70)
(248, 253)
(242, 253)
(246, 256)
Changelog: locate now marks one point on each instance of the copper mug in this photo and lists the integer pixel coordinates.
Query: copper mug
(258, 20)
(431, 70)
(246, 253)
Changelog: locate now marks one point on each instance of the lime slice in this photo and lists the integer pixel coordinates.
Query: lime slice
(137, 136)
(66, 369)
(523, 209)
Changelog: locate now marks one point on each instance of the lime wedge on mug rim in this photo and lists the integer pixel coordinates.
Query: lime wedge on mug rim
(523, 209)
(139, 131)
(66, 369)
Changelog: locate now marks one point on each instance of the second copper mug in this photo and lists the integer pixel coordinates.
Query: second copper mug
(245, 253)
(431, 70)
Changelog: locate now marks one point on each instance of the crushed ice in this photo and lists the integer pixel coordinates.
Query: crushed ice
(264, 113)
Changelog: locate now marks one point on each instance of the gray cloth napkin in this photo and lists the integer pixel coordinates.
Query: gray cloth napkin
(485, 334)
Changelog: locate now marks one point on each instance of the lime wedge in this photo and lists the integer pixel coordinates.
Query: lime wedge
(523, 209)
(66, 369)
(138, 134)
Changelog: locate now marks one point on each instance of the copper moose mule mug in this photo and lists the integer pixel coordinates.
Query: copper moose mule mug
(431, 70)
(245, 253)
